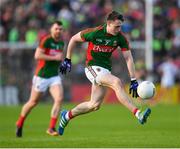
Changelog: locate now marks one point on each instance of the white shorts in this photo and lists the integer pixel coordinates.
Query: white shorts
(94, 73)
(42, 84)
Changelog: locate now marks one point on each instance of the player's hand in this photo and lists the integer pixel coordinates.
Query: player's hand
(133, 88)
(65, 66)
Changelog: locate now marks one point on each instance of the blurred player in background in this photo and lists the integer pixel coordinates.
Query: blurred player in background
(103, 40)
(49, 54)
(168, 72)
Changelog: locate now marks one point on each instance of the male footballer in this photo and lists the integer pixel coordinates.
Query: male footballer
(102, 41)
(49, 55)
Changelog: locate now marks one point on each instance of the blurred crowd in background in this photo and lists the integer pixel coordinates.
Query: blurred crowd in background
(28, 21)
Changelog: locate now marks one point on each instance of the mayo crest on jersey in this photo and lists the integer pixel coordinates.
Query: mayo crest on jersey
(101, 45)
(47, 69)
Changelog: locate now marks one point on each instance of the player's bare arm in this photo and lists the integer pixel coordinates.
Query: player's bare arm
(72, 43)
(40, 55)
(66, 64)
(130, 63)
(131, 68)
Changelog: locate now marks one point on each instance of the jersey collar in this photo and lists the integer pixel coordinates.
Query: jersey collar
(104, 28)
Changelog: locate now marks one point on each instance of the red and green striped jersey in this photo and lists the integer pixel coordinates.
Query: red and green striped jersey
(101, 45)
(47, 69)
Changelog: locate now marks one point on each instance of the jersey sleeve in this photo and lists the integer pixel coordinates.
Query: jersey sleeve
(43, 43)
(87, 34)
(124, 43)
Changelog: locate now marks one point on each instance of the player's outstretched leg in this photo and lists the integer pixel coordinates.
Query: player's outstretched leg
(142, 116)
(63, 122)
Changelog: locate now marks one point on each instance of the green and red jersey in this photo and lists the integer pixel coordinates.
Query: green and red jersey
(47, 69)
(101, 45)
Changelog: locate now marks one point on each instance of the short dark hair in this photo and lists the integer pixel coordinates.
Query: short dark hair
(57, 22)
(114, 15)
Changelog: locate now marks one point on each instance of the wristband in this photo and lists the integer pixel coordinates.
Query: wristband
(133, 79)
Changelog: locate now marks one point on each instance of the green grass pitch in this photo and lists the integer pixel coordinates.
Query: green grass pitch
(111, 126)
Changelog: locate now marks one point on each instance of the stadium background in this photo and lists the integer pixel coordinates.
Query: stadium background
(24, 22)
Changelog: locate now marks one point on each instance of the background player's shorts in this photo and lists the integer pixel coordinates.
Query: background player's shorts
(94, 73)
(42, 84)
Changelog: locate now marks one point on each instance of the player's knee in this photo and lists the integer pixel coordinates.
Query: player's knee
(94, 106)
(33, 103)
(97, 107)
(58, 101)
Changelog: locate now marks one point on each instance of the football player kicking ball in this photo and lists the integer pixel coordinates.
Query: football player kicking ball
(102, 41)
(49, 54)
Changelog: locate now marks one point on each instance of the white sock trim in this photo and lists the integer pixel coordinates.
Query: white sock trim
(67, 116)
(137, 113)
